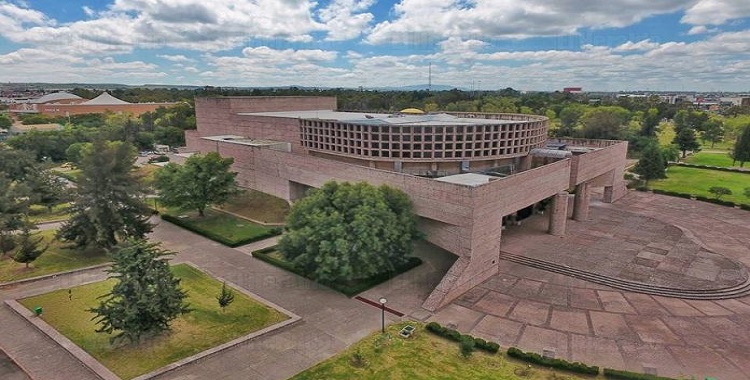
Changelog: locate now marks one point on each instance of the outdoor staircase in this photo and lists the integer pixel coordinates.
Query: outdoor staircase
(736, 291)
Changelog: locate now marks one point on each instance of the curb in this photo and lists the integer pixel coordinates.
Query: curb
(52, 275)
(104, 373)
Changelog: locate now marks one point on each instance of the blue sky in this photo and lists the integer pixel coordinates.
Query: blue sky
(700, 45)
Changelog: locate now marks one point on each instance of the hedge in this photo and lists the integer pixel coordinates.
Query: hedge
(718, 168)
(702, 198)
(229, 243)
(627, 375)
(456, 336)
(349, 290)
(535, 358)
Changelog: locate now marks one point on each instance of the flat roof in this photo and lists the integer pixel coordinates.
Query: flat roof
(468, 179)
(369, 118)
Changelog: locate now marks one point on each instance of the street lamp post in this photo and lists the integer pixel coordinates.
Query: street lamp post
(382, 314)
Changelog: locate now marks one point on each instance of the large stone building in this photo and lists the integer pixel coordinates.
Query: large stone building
(67, 104)
(465, 172)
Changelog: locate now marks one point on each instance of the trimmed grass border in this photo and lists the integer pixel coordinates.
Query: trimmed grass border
(272, 256)
(201, 287)
(224, 228)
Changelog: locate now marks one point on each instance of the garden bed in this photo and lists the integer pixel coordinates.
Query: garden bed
(219, 226)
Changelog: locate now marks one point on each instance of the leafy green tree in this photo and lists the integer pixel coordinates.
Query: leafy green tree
(652, 164)
(47, 189)
(685, 119)
(741, 151)
(226, 297)
(670, 152)
(346, 232)
(5, 121)
(29, 248)
(146, 297)
(719, 191)
(650, 122)
(75, 151)
(713, 131)
(199, 183)
(109, 203)
(569, 118)
(605, 123)
(685, 139)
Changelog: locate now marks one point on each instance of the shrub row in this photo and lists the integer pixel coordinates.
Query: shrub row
(535, 358)
(701, 198)
(627, 375)
(456, 336)
(350, 289)
(719, 168)
(215, 237)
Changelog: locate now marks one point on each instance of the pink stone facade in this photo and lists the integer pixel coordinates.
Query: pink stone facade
(463, 219)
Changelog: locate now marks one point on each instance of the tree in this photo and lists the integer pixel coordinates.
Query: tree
(346, 232)
(652, 164)
(226, 297)
(741, 151)
(29, 249)
(605, 123)
(200, 182)
(146, 297)
(47, 189)
(719, 191)
(650, 122)
(14, 204)
(109, 199)
(569, 117)
(5, 122)
(686, 140)
(713, 131)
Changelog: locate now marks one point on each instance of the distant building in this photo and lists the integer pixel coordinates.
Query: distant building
(573, 90)
(67, 104)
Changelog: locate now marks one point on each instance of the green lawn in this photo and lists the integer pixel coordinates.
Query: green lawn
(351, 288)
(55, 259)
(713, 158)
(205, 327)
(258, 206)
(222, 227)
(67, 173)
(697, 182)
(41, 214)
(423, 356)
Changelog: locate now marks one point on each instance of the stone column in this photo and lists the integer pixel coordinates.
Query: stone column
(581, 203)
(558, 214)
(609, 192)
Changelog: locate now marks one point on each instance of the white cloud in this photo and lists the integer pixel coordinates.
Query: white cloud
(175, 58)
(637, 46)
(346, 19)
(716, 12)
(424, 21)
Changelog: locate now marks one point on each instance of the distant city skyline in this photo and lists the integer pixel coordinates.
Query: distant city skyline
(700, 45)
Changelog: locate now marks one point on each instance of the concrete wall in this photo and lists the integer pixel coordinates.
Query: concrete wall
(135, 109)
(461, 219)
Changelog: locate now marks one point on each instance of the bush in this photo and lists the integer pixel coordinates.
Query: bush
(466, 346)
(535, 358)
(229, 243)
(627, 375)
(455, 336)
(158, 159)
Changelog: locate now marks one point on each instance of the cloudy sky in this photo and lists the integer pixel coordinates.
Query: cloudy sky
(699, 45)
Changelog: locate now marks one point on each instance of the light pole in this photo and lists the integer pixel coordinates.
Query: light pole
(382, 314)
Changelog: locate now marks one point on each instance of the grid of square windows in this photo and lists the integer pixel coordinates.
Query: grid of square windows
(425, 141)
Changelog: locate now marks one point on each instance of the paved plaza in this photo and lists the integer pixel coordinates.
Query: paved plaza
(526, 307)
(536, 310)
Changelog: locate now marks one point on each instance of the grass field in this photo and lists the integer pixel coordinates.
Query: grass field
(258, 206)
(220, 226)
(712, 158)
(41, 214)
(423, 356)
(205, 327)
(698, 181)
(55, 259)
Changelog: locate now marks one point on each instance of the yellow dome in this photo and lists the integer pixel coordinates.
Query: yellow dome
(412, 111)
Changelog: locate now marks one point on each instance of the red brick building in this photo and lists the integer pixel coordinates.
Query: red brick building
(65, 104)
(464, 172)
